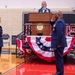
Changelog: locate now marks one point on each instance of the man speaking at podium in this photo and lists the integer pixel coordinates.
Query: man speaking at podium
(44, 8)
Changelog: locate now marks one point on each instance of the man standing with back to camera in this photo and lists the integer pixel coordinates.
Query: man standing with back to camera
(58, 42)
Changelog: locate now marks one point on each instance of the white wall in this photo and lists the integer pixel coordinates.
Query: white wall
(36, 3)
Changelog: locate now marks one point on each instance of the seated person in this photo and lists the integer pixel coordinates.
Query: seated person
(44, 8)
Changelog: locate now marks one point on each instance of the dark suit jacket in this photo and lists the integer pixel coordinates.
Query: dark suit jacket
(1, 40)
(58, 34)
(41, 10)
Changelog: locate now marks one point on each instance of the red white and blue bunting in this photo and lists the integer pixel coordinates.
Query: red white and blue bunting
(40, 45)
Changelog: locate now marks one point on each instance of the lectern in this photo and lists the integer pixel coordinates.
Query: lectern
(40, 23)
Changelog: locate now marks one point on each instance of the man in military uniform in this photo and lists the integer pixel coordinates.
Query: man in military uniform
(58, 42)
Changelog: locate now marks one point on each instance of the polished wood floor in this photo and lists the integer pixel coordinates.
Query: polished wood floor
(8, 61)
(10, 65)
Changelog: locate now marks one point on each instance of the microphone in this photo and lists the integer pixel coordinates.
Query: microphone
(34, 9)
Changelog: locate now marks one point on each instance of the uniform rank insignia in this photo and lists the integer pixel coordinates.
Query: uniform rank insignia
(54, 26)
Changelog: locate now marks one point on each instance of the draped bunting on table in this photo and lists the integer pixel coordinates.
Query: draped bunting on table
(41, 46)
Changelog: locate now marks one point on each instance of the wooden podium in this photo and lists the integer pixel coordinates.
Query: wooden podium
(40, 23)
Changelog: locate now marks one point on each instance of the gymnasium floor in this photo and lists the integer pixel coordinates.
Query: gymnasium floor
(10, 65)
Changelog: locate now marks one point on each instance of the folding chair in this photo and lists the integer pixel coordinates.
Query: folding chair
(74, 49)
(20, 45)
(6, 41)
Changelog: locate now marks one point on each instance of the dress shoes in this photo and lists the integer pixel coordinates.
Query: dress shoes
(54, 74)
